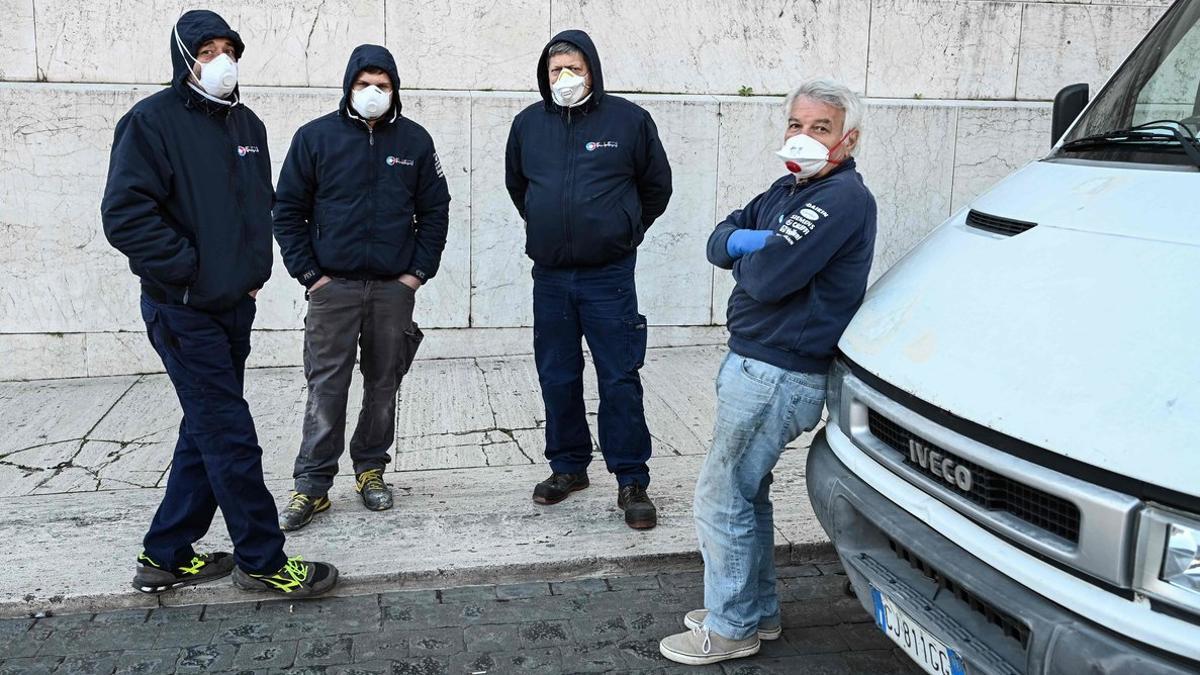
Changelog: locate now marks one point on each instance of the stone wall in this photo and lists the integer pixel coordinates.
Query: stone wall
(956, 93)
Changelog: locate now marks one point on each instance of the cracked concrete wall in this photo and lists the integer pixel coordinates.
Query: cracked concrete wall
(956, 91)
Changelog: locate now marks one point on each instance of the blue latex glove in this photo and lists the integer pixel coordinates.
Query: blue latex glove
(742, 242)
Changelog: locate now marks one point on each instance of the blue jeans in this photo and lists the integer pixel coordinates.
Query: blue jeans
(217, 461)
(760, 409)
(599, 304)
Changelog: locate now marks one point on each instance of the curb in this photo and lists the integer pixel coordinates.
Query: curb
(384, 582)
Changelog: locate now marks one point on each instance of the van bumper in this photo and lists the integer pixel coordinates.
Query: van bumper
(871, 534)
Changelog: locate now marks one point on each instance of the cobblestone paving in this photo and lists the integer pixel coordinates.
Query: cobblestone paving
(585, 626)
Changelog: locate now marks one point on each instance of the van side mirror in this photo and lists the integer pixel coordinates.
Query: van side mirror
(1069, 102)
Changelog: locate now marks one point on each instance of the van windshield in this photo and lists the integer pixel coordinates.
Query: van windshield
(1150, 110)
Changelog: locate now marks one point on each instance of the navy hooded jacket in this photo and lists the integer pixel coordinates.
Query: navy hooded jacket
(796, 295)
(588, 180)
(362, 203)
(189, 197)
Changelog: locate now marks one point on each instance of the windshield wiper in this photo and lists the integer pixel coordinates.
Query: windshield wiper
(1149, 135)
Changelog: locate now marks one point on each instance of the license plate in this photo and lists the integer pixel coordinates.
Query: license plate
(929, 652)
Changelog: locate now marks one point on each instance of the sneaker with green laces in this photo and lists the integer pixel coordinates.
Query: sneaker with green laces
(296, 579)
(300, 510)
(152, 577)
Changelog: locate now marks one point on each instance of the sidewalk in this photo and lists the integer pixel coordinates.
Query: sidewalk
(83, 461)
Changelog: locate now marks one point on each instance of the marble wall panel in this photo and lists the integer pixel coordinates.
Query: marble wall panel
(718, 47)
(907, 161)
(938, 49)
(1064, 44)
(992, 142)
(446, 44)
(123, 353)
(751, 132)
(62, 276)
(41, 356)
(302, 43)
(672, 273)
(501, 286)
(18, 61)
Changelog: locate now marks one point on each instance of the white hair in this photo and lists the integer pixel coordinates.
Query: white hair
(830, 92)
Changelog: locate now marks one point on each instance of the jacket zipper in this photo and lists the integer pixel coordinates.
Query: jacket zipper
(371, 194)
(569, 188)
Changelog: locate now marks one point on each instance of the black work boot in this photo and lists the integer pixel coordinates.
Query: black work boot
(154, 578)
(556, 488)
(300, 511)
(640, 513)
(376, 495)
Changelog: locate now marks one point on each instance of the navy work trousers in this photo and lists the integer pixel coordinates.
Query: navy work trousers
(599, 304)
(217, 461)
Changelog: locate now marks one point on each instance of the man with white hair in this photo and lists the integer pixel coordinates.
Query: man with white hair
(800, 253)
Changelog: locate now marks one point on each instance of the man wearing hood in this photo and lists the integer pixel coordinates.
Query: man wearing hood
(361, 220)
(188, 201)
(588, 174)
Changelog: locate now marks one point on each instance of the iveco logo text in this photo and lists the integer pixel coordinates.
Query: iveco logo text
(939, 465)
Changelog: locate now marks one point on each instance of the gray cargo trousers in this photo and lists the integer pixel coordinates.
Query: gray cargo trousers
(343, 316)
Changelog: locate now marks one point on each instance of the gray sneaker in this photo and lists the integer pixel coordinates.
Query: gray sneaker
(296, 579)
(154, 578)
(695, 618)
(376, 495)
(700, 647)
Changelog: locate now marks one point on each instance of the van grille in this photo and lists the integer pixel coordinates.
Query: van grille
(989, 490)
(998, 225)
(1006, 622)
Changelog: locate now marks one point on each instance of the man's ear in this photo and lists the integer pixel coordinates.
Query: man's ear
(851, 142)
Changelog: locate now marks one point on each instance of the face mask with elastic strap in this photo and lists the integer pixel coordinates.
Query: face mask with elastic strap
(218, 78)
(801, 156)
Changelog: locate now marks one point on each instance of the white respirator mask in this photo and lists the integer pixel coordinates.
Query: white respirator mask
(218, 77)
(567, 90)
(805, 156)
(370, 101)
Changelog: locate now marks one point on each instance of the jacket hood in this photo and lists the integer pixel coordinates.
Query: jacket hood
(584, 42)
(362, 57)
(193, 29)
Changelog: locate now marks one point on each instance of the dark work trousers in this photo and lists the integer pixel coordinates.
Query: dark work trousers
(217, 461)
(343, 317)
(599, 304)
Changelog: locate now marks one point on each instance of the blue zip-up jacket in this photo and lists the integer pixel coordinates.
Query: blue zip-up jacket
(188, 198)
(588, 180)
(361, 202)
(796, 295)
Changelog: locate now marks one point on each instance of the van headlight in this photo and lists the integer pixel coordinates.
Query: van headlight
(1181, 561)
(833, 391)
(1168, 560)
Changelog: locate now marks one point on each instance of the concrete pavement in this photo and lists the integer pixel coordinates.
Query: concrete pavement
(83, 461)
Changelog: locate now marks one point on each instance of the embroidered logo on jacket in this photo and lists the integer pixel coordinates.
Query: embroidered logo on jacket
(244, 150)
(392, 160)
(592, 146)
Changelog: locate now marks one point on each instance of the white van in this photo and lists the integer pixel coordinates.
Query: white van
(1011, 469)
